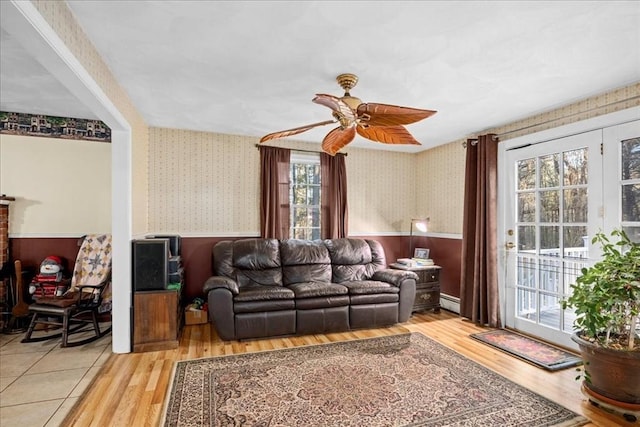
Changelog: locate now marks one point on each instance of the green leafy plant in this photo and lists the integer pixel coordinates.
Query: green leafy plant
(606, 296)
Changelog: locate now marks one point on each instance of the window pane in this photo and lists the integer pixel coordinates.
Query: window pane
(299, 233)
(549, 311)
(550, 275)
(631, 202)
(314, 196)
(527, 207)
(633, 233)
(550, 240)
(526, 174)
(572, 269)
(526, 271)
(575, 205)
(576, 242)
(549, 206)
(305, 196)
(314, 174)
(315, 234)
(526, 304)
(631, 159)
(299, 196)
(300, 217)
(526, 238)
(299, 174)
(575, 167)
(550, 171)
(314, 217)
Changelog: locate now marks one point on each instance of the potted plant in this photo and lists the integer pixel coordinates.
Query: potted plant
(606, 300)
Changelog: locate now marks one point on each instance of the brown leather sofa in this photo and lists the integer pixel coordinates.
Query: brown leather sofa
(269, 287)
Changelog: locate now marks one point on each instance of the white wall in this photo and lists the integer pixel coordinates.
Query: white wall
(62, 187)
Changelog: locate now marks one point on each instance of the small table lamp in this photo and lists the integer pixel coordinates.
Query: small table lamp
(421, 225)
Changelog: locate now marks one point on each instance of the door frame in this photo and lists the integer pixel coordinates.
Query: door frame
(591, 140)
(596, 123)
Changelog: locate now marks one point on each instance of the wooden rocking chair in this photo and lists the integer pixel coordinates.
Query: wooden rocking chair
(79, 306)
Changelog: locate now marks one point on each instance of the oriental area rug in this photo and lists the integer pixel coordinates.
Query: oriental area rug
(537, 352)
(399, 380)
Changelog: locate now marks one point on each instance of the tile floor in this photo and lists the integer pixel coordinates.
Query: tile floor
(40, 381)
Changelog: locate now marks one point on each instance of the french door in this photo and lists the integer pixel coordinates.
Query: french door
(554, 207)
(557, 194)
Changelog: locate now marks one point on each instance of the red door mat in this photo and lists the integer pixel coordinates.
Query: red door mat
(529, 349)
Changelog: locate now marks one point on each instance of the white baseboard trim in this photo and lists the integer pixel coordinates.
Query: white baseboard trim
(450, 303)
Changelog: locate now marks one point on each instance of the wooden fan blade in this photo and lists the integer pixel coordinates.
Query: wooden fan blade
(387, 134)
(338, 138)
(294, 131)
(390, 115)
(345, 114)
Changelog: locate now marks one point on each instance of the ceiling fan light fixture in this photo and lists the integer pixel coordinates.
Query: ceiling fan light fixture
(347, 81)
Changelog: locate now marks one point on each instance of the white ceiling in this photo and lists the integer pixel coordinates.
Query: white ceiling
(252, 68)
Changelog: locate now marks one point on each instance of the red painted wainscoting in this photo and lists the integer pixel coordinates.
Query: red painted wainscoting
(32, 251)
(197, 264)
(447, 253)
(196, 258)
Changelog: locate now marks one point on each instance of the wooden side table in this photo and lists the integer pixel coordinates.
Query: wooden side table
(157, 320)
(427, 286)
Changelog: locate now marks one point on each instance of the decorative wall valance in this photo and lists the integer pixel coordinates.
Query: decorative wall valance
(53, 127)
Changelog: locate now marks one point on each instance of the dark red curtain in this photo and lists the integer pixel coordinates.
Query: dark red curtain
(274, 192)
(334, 218)
(479, 300)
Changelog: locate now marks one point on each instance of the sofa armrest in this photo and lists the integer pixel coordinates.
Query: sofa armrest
(220, 291)
(216, 282)
(406, 281)
(395, 277)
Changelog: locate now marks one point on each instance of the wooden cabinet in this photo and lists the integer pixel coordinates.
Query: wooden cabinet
(427, 287)
(427, 290)
(158, 320)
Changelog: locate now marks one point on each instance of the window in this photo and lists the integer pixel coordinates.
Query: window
(630, 191)
(304, 195)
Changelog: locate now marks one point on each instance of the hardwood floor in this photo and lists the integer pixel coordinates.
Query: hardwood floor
(131, 388)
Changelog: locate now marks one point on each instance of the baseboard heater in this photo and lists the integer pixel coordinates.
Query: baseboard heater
(450, 303)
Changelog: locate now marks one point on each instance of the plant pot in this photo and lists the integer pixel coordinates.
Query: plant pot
(614, 374)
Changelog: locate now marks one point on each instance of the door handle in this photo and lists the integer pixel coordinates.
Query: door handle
(509, 245)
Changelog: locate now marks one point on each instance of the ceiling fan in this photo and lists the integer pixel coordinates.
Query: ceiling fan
(377, 122)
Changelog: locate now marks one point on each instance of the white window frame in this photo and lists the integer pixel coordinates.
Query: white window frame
(305, 158)
(612, 158)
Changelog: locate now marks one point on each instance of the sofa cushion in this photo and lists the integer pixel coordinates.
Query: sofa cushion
(304, 261)
(264, 305)
(368, 287)
(263, 293)
(373, 299)
(354, 259)
(317, 289)
(322, 302)
(249, 261)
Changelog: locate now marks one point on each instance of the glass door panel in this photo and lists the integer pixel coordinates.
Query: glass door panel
(553, 220)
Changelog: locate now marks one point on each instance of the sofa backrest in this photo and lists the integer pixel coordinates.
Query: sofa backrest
(355, 259)
(249, 261)
(273, 262)
(304, 261)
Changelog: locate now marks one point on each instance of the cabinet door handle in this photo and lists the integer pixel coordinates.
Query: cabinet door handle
(425, 297)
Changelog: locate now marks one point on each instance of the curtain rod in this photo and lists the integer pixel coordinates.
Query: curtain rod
(464, 143)
(298, 149)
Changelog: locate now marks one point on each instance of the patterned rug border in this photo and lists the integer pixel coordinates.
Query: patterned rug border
(570, 361)
(177, 364)
(402, 339)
